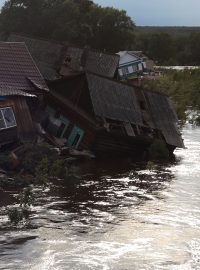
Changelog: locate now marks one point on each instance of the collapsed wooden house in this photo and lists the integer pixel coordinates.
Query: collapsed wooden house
(48, 55)
(55, 60)
(21, 89)
(93, 112)
(87, 109)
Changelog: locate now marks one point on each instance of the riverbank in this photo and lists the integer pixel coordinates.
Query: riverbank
(40, 163)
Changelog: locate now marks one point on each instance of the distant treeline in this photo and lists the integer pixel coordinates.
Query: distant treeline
(84, 23)
(170, 45)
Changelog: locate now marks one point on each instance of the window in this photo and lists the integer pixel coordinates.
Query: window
(60, 131)
(135, 69)
(130, 69)
(144, 65)
(75, 137)
(7, 118)
(57, 124)
(125, 70)
(140, 67)
(120, 72)
(76, 140)
(65, 125)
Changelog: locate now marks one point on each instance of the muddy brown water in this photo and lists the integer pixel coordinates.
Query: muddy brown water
(112, 219)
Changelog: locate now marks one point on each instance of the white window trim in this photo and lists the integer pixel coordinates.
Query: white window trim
(1, 109)
(120, 72)
(66, 122)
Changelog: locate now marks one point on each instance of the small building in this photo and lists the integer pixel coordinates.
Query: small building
(133, 64)
(92, 112)
(21, 89)
(148, 64)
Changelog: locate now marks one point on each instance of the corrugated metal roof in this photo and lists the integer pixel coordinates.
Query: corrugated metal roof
(114, 100)
(47, 71)
(16, 66)
(121, 53)
(10, 91)
(136, 54)
(75, 53)
(165, 117)
(100, 63)
(45, 53)
(49, 55)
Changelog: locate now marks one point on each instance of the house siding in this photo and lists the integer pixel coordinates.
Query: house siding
(75, 120)
(24, 131)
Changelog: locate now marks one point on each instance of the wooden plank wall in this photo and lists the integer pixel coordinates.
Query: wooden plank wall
(25, 128)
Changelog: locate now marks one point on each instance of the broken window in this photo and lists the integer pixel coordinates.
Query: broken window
(7, 118)
(57, 124)
(60, 130)
(75, 137)
(76, 140)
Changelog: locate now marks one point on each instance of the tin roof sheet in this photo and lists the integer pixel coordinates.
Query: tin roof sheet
(16, 66)
(165, 117)
(114, 100)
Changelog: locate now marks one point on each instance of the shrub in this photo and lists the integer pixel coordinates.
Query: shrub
(15, 215)
(42, 171)
(26, 197)
(18, 214)
(58, 169)
(150, 165)
(158, 151)
(31, 156)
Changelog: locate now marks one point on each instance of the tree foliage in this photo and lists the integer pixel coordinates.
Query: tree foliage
(169, 48)
(182, 86)
(79, 22)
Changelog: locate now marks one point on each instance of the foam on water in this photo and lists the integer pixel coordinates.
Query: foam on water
(110, 221)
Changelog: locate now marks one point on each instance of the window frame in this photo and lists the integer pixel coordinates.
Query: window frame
(4, 120)
(71, 140)
(125, 70)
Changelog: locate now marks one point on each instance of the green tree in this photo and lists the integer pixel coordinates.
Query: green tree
(194, 45)
(112, 29)
(161, 47)
(79, 22)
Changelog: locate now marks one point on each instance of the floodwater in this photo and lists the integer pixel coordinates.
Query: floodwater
(112, 219)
